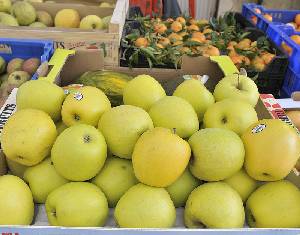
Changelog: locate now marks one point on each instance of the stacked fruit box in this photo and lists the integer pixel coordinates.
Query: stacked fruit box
(78, 26)
(147, 142)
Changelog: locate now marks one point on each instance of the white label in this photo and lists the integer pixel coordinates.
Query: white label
(78, 96)
(258, 128)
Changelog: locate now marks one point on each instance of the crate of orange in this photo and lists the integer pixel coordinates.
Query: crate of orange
(262, 17)
(161, 43)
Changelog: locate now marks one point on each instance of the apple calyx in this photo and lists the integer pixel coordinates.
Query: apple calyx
(94, 26)
(86, 139)
(250, 218)
(76, 117)
(17, 77)
(224, 120)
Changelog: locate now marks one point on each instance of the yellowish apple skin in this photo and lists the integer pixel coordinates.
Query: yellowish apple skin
(160, 157)
(115, 178)
(194, 92)
(16, 202)
(5, 6)
(79, 152)
(28, 136)
(143, 91)
(122, 126)
(272, 149)
(143, 206)
(91, 22)
(85, 106)
(214, 205)
(235, 115)
(3, 165)
(174, 112)
(217, 154)
(77, 204)
(15, 168)
(43, 179)
(182, 187)
(274, 205)
(242, 183)
(41, 95)
(238, 87)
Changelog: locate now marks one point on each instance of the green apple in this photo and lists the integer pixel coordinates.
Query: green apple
(182, 187)
(115, 178)
(24, 12)
(105, 4)
(214, 205)
(42, 95)
(85, 106)
(91, 22)
(143, 91)
(77, 204)
(16, 202)
(242, 183)
(217, 154)
(5, 6)
(194, 92)
(9, 20)
(28, 136)
(43, 179)
(274, 205)
(237, 87)
(235, 115)
(144, 206)
(122, 126)
(176, 114)
(160, 157)
(60, 127)
(15, 168)
(79, 152)
(272, 149)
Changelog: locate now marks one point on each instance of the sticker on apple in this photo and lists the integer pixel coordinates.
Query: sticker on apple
(258, 128)
(78, 96)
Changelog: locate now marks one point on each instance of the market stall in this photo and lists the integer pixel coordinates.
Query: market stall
(114, 121)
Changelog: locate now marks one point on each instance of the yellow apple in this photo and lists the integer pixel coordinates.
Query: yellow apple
(85, 106)
(28, 136)
(91, 22)
(272, 149)
(160, 157)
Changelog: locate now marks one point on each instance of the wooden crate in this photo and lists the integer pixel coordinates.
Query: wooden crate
(108, 40)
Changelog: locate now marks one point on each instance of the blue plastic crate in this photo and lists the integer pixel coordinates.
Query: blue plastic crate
(25, 49)
(280, 16)
(280, 33)
(291, 83)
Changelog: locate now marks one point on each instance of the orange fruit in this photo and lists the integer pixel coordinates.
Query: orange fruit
(211, 51)
(176, 26)
(207, 30)
(170, 20)
(184, 50)
(267, 57)
(296, 38)
(244, 44)
(236, 59)
(199, 35)
(160, 28)
(231, 45)
(177, 43)
(257, 10)
(254, 19)
(164, 41)
(196, 40)
(246, 60)
(268, 17)
(258, 63)
(286, 48)
(141, 42)
(180, 20)
(297, 19)
(192, 21)
(183, 33)
(174, 37)
(160, 46)
(193, 27)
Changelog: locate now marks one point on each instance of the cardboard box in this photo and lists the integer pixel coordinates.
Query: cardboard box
(108, 40)
(169, 79)
(86, 2)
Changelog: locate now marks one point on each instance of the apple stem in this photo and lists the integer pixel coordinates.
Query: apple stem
(174, 130)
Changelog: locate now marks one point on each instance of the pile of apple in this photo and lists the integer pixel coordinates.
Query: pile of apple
(206, 152)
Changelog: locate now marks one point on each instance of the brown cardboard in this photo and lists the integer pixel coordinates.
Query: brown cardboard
(3, 167)
(85, 2)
